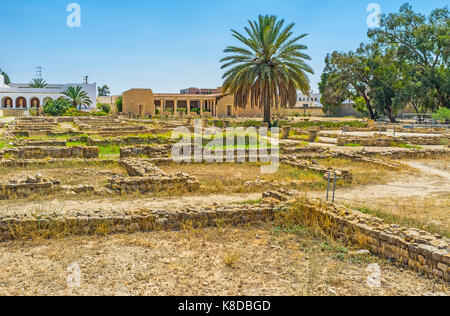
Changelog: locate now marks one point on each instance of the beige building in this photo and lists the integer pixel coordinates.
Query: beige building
(142, 102)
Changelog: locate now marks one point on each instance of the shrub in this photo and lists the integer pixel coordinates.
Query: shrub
(106, 108)
(119, 104)
(57, 107)
(442, 115)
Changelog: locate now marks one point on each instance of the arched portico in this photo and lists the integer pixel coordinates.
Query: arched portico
(35, 103)
(21, 103)
(7, 102)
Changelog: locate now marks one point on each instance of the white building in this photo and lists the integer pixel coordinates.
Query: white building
(20, 97)
(311, 101)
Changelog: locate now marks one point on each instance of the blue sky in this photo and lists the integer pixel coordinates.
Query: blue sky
(165, 45)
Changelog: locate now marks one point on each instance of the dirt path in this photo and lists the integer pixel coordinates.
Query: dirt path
(421, 200)
(432, 181)
(111, 205)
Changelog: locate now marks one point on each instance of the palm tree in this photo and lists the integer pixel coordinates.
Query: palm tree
(7, 80)
(270, 69)
(37, 83)
(77, 97)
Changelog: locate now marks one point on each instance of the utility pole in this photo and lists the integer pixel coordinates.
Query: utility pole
(39, 72)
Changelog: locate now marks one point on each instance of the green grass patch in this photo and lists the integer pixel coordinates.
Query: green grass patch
(352, 145)
(404, 145)
(326, 124)
(110, 151)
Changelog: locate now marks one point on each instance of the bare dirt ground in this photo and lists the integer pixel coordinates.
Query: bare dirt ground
(229, 261)
(423, 196)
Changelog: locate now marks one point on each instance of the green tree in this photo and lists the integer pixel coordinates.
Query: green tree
(103, 91)
(347, 75)
(119, 104)
(333, 90)
(384, 82)
(7, 80)
(77, 97)
(269, 69)
(37, 83)
(423, 41)
(57, 107)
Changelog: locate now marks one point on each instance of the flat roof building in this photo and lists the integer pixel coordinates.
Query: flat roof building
(198, 91)
(20, 97)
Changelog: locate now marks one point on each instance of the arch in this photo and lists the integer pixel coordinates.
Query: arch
(7, 102)
(35, 103)
(47, 99)
(21, 103)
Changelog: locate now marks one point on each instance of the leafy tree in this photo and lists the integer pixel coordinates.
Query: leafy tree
(7, 80)
(423, 41)
(77, 97)
(56, 107)
(119, 104)
(103, 91)
(347, 75)
(38, 83)
(269, 69)
(333, 90)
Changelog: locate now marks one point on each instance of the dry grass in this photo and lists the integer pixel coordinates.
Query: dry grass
(363, 172)
(230, 178)
(429, 214)
(68, 175)
(192, 263)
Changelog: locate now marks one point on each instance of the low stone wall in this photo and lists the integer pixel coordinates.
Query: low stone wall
(148, 151)
(38, 185)
(49, 152)
(41, 143)
(141, 168)
(30, 185)
(417, 249)
(408, 154)
(386, 141)
(153, 184)
(147, 178)
(12, 163)
(411, 247)
(316, 167)
(129, 141)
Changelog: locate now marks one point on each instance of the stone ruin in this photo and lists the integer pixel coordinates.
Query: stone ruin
(49, 152)
(420, 250)
(388, 141)
(144, 177)
(22, 188)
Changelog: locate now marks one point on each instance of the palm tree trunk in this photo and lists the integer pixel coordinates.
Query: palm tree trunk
(267, 108)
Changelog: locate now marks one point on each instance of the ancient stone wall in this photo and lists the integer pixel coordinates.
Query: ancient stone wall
(417, 249)
(147, 178)
(30, 185)
(41, 143)
(385, 141)
(408, 154)
(49, 152)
